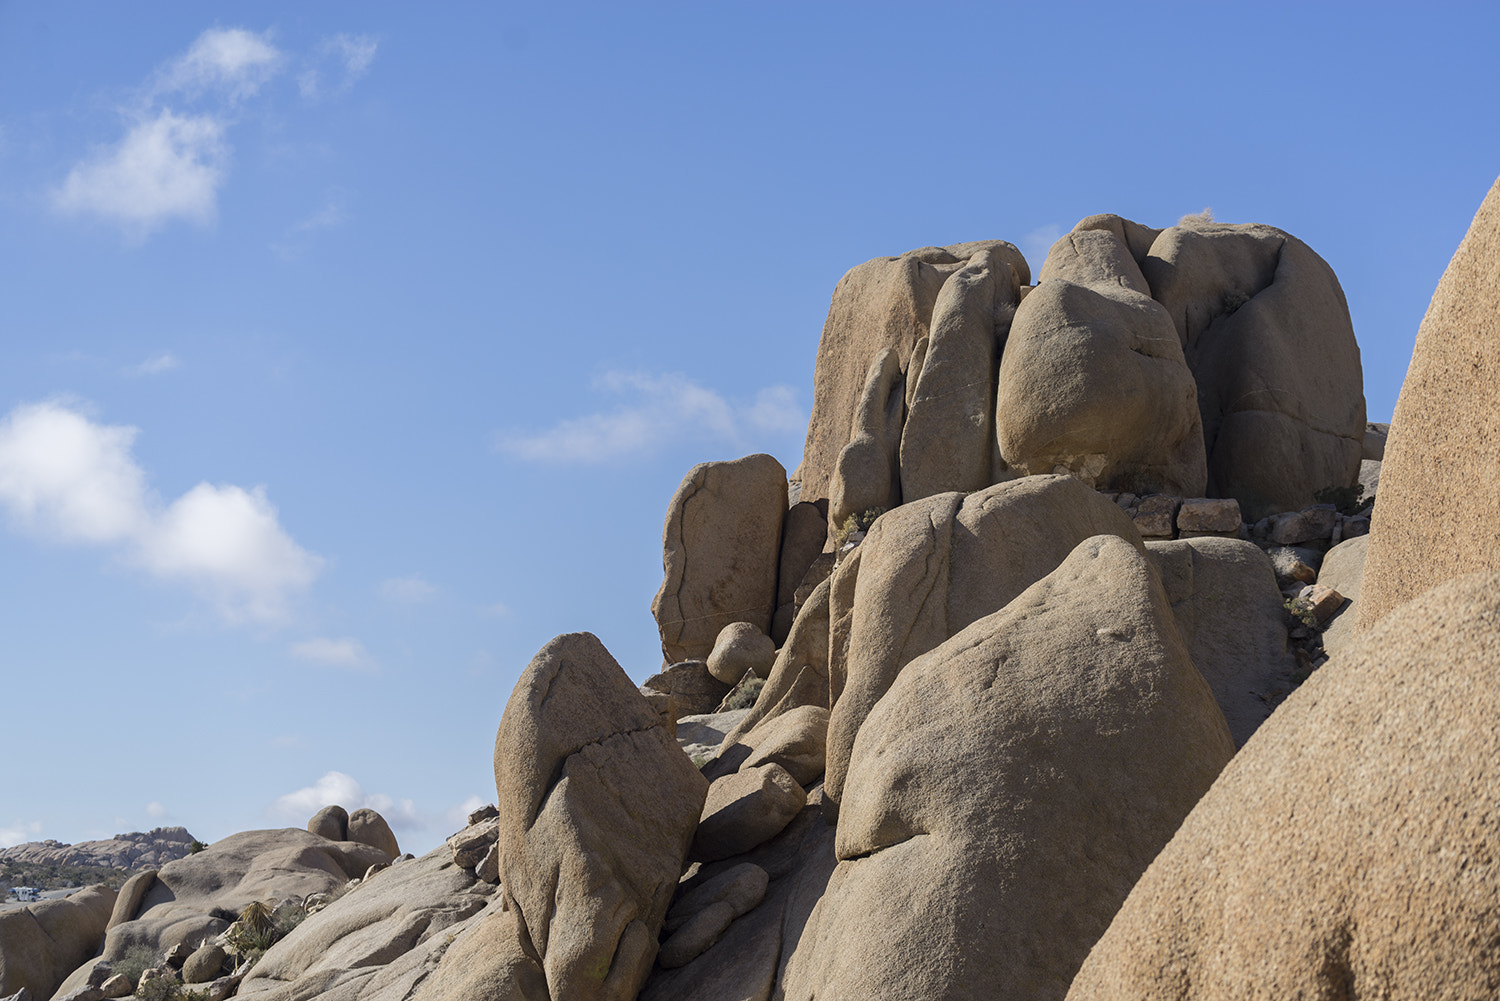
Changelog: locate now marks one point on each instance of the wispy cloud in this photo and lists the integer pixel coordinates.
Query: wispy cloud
(155, 810)
(295, 242)
(339, 789)
(347, 652)
(497, 610)
(234, 61)
(64, 476)
(413, 590)
(155, 365)
(168, 166)
(659, 409)
(345, 57)
(19, 832)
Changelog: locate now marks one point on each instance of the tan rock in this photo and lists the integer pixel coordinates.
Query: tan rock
(1312, 524)
(740, 648)
(128, 901)
(803, 534)
(598, 806)
(470, 845)
(331, 822)
(949, 435)
(932, 567)
(741, 887)
(882, 304)
(1343, 570)
(1442, 436)
(696, 935)
(41, 943)
(720, 548)
(1321, 601)
(745, 809)
(1093, 381)
(1348, 850)
(205, 964)
(1009, 789)
(369, 828)
(491, 961)
(799, 677)
(1229, 612)
(797, 740)
(1220, 515)
(1265, 329)
(689, 689)
(117, 986)
(867, 473)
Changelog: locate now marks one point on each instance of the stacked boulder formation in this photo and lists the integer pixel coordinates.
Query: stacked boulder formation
(1053, 672)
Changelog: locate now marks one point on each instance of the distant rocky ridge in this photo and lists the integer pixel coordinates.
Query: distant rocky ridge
(128, 852)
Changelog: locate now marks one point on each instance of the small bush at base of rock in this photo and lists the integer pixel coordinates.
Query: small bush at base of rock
(744, 694)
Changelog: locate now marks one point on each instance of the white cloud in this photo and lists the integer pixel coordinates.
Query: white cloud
(498, 610)
(351, 56)
(346, 652)
(166, 167)
(155, 810)
(69, 478)
(1036, 244)
(155, 365)
(237, 61)
(19, 833)
(413, 590)
(667, 407)
(338, 789)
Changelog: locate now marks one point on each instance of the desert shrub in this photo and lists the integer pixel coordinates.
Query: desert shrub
(195, 846)
(1207, 215)
(168, 988)
(744, 694)
(259, 927)
(136, 960)
(858, 522)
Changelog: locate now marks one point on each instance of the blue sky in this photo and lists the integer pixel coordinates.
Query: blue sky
(355, 350)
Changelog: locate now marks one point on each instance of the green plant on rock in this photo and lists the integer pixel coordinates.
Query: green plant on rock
(136, 960)
(168, 988)
(195, 846)
(1300, 610)
(744, 694)
(259, 927)
(858, 522)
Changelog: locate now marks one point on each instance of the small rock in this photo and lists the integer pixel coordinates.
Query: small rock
(117, 986)
(1156, 515)
(204, 965)
(101, 972)
(746, 809)
(488, 870)
(84, 993)
(741, 648)
(696, 937)
(488, 812)
(1308, 525)
(471, 844)
(1210, 515)
(177, 955)
(1323, 601)
(376, 867)
(741, 887)
(223, 988)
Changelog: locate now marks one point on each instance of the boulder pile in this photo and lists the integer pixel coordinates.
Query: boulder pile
(1061, 678)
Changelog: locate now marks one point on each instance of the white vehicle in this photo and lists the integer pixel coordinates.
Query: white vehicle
(26, 893)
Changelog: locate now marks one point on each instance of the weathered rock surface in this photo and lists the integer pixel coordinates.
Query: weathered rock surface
(1265, 328)
(41, 943)
(1443, 435)
(803, 534)
(797, 740)
(885, 303)
(205, 964)
(744, 809)
(369, 828)
(799, 676)
(229, 875)
(1228, 610)
(1093, 379)
(721, 546)
(1008, 790)
(867, 473)
(408, 908)
(128, 901)
(492, 960)
(1347, 851)
(1343, 570)
(597, 808)
(948, 440)
(688, 690)
(928, 569)
(331, 822)
(741, 648)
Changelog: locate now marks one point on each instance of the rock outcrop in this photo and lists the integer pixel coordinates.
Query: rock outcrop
(598, 806)
(721, 549)
(1442, 438)
(1347, 851)
(130, 852)
(1010, 787)
(41, 943)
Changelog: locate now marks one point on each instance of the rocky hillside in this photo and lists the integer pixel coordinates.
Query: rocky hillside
(52, 864)
(1052, 673)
